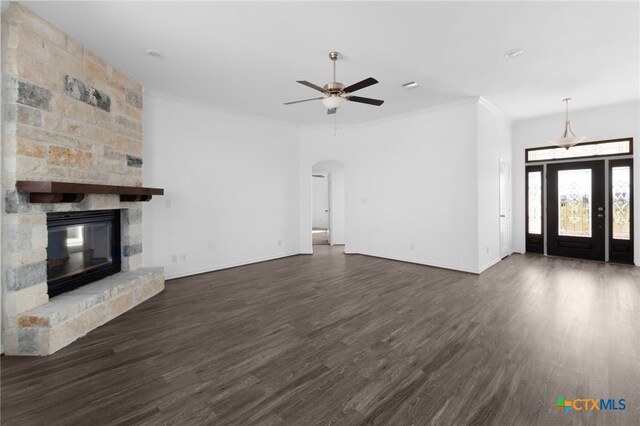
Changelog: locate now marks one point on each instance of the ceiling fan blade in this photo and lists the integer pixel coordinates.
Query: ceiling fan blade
(376, 102)
(331, 111)
(304, 100)
(360, 85)
(313, 86)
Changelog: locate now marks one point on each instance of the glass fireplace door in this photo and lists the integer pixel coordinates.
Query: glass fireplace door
(82, 247)
(78, 248)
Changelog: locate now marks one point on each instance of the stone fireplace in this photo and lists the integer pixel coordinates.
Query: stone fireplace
(68, 116)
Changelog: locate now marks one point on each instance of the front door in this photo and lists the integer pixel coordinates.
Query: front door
(576, 210)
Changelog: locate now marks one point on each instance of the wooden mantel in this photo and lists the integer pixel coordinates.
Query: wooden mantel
(68, 192)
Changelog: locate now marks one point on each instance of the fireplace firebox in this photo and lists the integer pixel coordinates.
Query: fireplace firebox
(83, 247)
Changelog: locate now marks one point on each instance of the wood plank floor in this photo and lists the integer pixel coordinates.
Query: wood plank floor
(335, 339)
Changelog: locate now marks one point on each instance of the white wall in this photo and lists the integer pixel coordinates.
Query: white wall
(494, 143)
(410, 184)
(335, 170)
(421, 188)
(612, 122)
(231, 187)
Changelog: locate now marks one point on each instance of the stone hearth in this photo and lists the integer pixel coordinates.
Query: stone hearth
(52, 326)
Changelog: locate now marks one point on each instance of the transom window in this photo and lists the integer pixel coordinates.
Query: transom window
(585, 150)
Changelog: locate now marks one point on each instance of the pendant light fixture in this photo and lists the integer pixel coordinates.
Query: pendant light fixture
(568, 138)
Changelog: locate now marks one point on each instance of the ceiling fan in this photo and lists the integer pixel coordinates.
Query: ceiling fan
(336, 93)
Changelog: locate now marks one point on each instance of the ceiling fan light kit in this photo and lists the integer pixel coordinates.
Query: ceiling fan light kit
(335, 93)
(333, 101)
(568, 138)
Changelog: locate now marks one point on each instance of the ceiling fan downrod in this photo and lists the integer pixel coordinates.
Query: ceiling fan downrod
(334, 88)
(334, 57)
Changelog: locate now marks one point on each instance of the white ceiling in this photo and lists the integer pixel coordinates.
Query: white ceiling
(248, 55)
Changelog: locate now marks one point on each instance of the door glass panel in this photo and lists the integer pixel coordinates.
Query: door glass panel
(621, 194)
(535, 203)
(574, 200)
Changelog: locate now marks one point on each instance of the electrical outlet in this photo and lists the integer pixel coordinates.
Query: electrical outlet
(183, 257)
(174, 257)
(279, 242)
(487, 250)
(412, 246)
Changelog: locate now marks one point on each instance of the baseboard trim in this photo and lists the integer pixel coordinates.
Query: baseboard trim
(489, 265)
(229, 266)
(270, 258)
(433, 265)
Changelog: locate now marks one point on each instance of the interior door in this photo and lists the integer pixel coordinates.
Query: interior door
(505, 209)
(320, 201)
(576, 210)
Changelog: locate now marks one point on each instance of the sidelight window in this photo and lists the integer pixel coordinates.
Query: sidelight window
(621, 202)
(534, 194)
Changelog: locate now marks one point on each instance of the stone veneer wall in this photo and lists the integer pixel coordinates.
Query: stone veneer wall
(67, 116)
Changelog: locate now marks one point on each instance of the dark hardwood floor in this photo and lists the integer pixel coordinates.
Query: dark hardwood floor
(330, 338)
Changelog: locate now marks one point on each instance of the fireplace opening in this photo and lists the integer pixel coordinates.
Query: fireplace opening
(83, 247)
